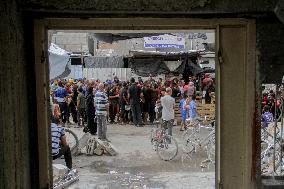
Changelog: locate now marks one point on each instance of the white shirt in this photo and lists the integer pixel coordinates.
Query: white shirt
(168, 104)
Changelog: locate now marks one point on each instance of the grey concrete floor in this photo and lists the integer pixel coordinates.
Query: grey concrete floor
(137, 165)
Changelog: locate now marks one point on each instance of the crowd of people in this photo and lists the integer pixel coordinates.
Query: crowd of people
(93, 103)
(133, 102)
(271, 108)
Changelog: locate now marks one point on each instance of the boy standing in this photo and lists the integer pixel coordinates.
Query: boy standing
(193, 108)
(183, 110)
(102, 106)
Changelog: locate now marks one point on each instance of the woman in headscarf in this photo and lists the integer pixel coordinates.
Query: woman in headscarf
(191, 89)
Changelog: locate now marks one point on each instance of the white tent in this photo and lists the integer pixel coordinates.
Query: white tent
(60, 64)
(58, 60)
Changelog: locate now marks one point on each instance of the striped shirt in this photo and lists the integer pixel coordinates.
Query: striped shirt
(101, 103)
(56, 133)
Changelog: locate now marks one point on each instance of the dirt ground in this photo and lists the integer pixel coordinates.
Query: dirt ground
(137, 165)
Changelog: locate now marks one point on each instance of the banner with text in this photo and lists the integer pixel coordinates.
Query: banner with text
(164, 41)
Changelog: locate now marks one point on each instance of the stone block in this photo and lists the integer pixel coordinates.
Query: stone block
(99, 150)
(58, 170)
(108, 147)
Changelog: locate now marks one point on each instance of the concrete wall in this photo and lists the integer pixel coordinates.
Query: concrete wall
(150, 6)
(72, 42)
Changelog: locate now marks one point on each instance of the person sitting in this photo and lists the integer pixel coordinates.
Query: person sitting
(59, 144)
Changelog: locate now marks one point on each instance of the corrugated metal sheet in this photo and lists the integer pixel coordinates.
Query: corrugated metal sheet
(107, 73)
(76, 72)
(123, 74)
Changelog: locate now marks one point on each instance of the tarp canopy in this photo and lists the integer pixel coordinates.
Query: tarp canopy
(145, 62)
(58, 62)
(144, 67)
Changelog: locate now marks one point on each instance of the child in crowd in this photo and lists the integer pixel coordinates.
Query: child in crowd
(184, 111)
(193, 109)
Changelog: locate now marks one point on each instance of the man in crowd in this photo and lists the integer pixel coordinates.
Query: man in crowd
(206, 79)
(146, 91)
(154, 98)
(123, 103)
(102, 106)
(266, 117)
(113, 95)
(91, 125)
(61, 95)
(73, 103)
(168, 111)
(209, 88)
(81, 107)
(134, 93)
(59, 144)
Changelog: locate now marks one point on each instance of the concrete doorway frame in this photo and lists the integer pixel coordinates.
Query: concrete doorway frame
(235, 50)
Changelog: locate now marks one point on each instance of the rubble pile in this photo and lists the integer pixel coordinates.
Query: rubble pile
(95, 146)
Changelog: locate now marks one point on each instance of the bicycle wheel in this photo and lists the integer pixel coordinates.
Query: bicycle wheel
(187, 161)
(190, 132)
(167, 148)
(152, 135)
(210, 151)
(190, 144)
(72, 139)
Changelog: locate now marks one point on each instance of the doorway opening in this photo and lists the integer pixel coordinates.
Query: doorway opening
(180, 61)
(235, 65)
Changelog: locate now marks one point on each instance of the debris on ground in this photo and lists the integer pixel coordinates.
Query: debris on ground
(95, 146)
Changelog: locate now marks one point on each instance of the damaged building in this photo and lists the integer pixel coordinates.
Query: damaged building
(249, 52)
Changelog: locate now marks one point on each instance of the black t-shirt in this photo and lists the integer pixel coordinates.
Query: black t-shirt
(209, 89)
(154, 96)
(111, 92)
(90, 103)
(147, 94)
(134, 93)
(75, 95)
(176, 93)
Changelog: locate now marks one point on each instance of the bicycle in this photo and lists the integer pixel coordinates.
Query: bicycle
(193, 143)
(165, 145)
(194, 127)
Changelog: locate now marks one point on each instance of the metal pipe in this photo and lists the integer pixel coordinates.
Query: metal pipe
(275, 126)
(281, 129)
(66, 180)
